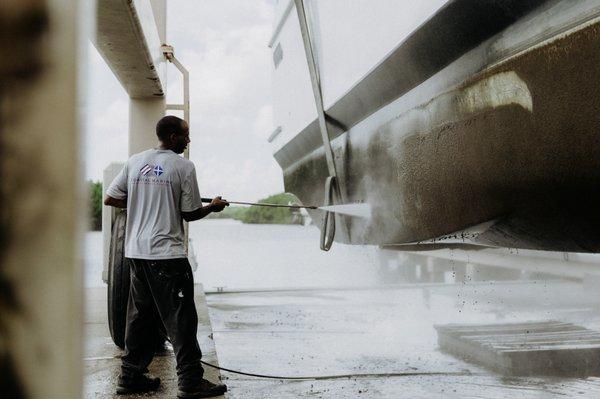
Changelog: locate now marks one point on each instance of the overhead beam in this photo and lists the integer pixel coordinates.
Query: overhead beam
(129, 39)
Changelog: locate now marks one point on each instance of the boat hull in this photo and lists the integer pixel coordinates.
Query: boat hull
(514, 143)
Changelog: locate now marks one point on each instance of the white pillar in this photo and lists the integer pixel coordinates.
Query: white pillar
(143, 115)
(43, 201)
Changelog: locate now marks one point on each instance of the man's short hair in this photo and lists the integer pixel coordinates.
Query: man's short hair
(167, 125)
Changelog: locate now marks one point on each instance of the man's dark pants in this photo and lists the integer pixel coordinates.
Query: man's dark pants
(162, 291)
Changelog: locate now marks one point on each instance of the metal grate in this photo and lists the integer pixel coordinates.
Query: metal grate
(530, 348)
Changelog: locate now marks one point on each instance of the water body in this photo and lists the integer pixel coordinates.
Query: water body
(235, 255)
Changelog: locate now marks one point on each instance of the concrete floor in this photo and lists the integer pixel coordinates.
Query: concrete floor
(370, 333)
(386, 330)
(102, 356)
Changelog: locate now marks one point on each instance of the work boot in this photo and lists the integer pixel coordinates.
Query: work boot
(203, 389)
(136, 384)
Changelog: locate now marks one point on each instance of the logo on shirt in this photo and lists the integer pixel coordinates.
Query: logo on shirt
(158, 170)
(146, 169)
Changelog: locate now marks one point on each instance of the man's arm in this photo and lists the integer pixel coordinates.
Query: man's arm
(116, 193)
(216, 205)
(117, 203)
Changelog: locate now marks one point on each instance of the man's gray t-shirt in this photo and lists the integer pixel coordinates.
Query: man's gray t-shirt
(158, 185)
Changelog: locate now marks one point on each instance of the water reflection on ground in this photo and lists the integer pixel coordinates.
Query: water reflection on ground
(375, 316)
(385, 331)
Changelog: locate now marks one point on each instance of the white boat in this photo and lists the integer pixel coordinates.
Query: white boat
(458, 122)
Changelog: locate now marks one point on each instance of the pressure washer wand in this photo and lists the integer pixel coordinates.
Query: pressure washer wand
(263, 204)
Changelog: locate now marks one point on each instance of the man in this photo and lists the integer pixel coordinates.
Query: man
(159, 189)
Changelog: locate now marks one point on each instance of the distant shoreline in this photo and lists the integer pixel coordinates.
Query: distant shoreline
(265, 215)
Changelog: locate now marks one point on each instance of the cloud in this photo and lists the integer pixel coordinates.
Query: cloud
(224, 47)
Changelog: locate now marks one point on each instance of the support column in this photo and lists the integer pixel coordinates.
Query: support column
(143, 115)
(43, 200)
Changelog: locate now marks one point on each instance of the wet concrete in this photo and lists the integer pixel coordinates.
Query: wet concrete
(102, 357)
(320, 330)
(384, 331)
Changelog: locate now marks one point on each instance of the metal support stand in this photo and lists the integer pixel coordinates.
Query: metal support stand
(169, 53)
(331, 184)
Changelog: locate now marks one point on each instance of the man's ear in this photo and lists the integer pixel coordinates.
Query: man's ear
(173, 137)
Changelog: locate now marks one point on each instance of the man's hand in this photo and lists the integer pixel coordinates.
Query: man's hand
(218, 204)
(117, 203)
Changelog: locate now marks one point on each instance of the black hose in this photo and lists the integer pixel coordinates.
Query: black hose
(345, 376)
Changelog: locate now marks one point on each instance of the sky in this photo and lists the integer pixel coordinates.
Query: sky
(224, 46)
